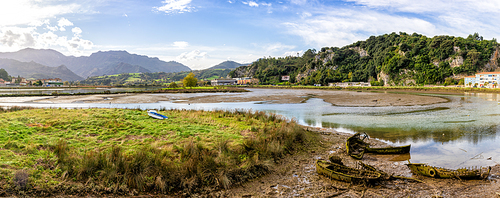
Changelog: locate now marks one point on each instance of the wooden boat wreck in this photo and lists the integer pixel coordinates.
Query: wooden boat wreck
(344, 173)
(389, 150)
(437, 172)
(356, 147)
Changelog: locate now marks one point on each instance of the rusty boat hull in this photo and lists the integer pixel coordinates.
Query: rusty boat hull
(343, 173)
(438, 172)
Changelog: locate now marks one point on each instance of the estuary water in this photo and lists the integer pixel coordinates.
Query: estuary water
(463, 132)
(16, 90)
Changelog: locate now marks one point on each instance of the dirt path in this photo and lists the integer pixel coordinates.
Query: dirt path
(296, 176)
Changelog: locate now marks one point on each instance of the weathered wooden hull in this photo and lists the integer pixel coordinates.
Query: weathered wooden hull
(356, 148)
(344, 173)
(389, 150)
(437, 172)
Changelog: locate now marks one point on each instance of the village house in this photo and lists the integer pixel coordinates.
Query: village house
(483, 79)
(219, 82)
(350, 84)
(20, 81)
(52, 82)
(246, 81)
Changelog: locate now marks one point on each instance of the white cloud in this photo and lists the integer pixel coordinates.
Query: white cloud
(298, 2)
(306, 14)
(277, 47)
(327, 25)
(18, 38)
(439, 6)
(293, 53)
(63, 22)
(193, 55)
(76, 31)
(175, 6)
(52, 28)
(251, 3)
(343, 26)
(32, 12)
(180, 44)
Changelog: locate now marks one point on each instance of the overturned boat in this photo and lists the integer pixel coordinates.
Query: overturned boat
(344, 173)
(437, 172)
(356, 147)
(154, 114)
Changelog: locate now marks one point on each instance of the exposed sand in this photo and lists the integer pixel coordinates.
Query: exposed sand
(282, 96)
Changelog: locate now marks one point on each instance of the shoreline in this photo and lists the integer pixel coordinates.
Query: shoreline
(296, 176)
(273, 96)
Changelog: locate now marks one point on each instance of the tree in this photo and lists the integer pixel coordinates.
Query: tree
(172, 85)
(190, 80)
(461, 82)
(4, 75)
(38, 83)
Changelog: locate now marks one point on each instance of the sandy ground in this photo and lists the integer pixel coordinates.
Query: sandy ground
(296, 177)
(282, 96)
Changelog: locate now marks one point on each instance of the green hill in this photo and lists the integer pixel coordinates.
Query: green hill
(227, 65)
(37, 71)
(157, 78)
(395, 59)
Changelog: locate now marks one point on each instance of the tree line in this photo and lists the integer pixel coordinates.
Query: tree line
(406, 60)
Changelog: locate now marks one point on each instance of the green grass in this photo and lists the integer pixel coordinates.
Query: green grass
(194, 88)
(52, 151)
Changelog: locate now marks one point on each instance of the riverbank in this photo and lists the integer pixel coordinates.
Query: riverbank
(61, 91)
(282, 96)
(427, 89)
(49, 152)
(296, 176)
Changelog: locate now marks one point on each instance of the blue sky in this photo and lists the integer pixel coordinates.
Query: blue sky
(202, 33)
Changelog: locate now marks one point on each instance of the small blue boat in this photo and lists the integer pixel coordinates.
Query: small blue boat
(154, 114)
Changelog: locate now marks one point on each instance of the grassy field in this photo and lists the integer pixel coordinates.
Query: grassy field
(220, 87)
(44, 152)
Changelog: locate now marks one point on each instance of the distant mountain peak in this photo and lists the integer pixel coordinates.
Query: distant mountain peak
(227, 65)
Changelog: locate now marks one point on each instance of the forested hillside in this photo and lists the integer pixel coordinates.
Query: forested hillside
(394, 59)
(157, 78)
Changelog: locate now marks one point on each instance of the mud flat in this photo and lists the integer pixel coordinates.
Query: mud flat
(296, 177)
(278, 96)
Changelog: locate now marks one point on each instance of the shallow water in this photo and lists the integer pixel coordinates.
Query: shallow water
(460, 133)
(9, 91)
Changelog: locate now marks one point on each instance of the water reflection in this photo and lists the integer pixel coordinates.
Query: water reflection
(446, 134)
(10, 91)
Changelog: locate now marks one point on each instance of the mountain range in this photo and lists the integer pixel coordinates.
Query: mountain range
(73, 68)
(37, 71)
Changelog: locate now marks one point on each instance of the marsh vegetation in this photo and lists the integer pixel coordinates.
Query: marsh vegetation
(115, 151)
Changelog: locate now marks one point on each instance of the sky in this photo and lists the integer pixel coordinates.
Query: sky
(203, 33)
